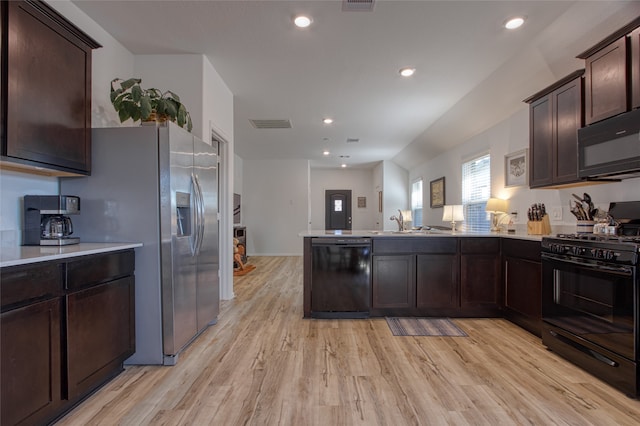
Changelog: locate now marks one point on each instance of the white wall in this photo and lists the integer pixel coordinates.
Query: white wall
(238, 170)
(274, 205)
(509, 136)
(183, 75)
(217, 103)
(359, 181)
(217, 117)
(14, 186)
(395, 193)
(378, 184)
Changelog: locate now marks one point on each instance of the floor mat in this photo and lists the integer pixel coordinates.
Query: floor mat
(423, 327)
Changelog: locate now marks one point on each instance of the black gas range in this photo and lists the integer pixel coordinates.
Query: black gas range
(591, 299)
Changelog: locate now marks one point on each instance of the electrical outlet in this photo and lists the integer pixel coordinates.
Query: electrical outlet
(556, 213)
(514, 216)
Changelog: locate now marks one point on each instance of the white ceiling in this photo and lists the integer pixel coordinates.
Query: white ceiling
(471, 72)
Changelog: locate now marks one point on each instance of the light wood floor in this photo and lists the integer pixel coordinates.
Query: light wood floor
(262, 364)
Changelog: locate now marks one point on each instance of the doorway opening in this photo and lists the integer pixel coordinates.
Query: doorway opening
(337, 209)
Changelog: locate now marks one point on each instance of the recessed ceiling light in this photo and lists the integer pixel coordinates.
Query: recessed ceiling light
(514, 23)
(325, 153)
(302, 21)
(343, 165)
(407, 72)
(327, 120)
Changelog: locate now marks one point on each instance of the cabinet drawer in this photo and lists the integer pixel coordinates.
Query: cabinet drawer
(522, 249)
(479, 245)
(91, 270)
(28, 283)
(415, 245)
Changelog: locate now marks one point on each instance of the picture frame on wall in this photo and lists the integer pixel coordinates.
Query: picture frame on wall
(437, 193)
(516, 168)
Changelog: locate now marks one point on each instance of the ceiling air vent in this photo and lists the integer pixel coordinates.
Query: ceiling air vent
(353, 140)
(357, 5)
(271, 124)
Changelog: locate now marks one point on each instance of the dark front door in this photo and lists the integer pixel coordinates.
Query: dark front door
(337, 209)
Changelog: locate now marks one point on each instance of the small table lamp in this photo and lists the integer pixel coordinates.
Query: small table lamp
(495, 206)
(452, 213)
(406, 217)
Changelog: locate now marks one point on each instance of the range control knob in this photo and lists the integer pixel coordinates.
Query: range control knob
(558, 248)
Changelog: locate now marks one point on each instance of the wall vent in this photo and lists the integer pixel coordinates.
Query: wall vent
(357, 5)
(353, 140)
(271, 124)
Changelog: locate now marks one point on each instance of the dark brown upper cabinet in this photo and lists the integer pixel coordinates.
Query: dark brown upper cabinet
(635, 68)
(555, 115)
(612, 77)
(46, 90)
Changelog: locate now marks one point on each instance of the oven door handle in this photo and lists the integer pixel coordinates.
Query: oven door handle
(618, 269)
(584, 349)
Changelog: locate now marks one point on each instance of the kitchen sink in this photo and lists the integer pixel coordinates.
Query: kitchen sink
(409, 232)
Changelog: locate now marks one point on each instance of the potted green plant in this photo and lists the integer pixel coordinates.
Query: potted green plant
(130, 100)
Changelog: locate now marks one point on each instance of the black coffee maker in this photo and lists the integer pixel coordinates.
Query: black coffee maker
(46, 222)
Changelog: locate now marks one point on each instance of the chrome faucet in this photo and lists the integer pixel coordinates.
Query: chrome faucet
(398, 219)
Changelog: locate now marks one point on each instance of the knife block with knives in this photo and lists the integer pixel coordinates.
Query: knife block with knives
(538, 223)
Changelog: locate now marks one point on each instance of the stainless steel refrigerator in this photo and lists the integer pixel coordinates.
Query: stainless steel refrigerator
(158, 186)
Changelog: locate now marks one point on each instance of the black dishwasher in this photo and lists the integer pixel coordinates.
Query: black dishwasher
(340, 277)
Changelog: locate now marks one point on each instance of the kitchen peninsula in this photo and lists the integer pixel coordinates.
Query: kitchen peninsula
(441, 273)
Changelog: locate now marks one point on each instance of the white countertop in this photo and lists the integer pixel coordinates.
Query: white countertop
(414, 234)
(22, 255)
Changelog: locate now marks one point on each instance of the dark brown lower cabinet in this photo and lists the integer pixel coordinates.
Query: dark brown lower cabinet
(31, 363)
(99, 333)
(480, 283)
(394, 282)
(522, 284)
(415, 277)
(436, 281)
(67, 327)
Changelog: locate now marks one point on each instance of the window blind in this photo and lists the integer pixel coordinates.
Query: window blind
(416, 202)
(476, 190)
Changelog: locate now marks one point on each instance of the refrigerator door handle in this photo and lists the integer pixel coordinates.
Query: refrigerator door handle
(196, 216)
(200, 212)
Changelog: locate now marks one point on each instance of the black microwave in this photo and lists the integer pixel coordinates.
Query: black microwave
(610, 148)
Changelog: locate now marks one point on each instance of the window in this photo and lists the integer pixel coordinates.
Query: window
(476, 190)
(416, 202)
